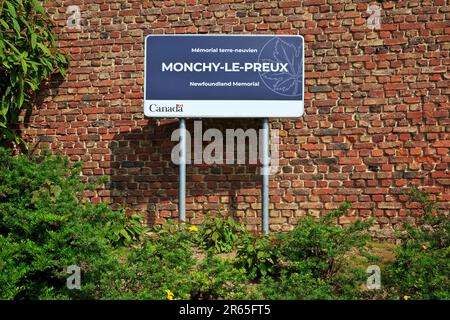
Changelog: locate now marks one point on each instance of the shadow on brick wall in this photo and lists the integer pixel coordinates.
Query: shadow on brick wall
(42, 97)
(144, 177)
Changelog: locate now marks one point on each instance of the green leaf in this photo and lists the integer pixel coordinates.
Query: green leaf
(33, 41)
(21, 99)
(16, 27)
(125, 235)
(44, 49)
(4, 24)
(12, 46)
(11, 10)
(32, 85)
(23, 63)
(62, 58)
(62, 71)
(38, 7)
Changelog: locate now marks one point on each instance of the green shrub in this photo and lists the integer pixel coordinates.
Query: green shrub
(320, 246)
(220, 234)
(422, 262)
(315, 255)
(129, 229)
(296, 286)
(258, 256)
(28, 57)
(163, 262)
(166, 262)
(45, 226)
(217, 278)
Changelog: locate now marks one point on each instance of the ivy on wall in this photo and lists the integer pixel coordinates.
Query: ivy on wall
(28, 57)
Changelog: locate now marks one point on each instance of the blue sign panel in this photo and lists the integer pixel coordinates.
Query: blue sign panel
(224, 76)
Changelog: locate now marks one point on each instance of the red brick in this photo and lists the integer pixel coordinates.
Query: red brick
(376, 110)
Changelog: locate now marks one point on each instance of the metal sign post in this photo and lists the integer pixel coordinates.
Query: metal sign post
(182, 186)
(265, 175)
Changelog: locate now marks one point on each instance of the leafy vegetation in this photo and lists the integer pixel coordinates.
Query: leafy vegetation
(46, 225)
(28, 57)
(220, 234)
(162, 262)
(216, 278)
(315, 262)
(320, 246)
(422, 262)
(129, 229)
(258, 256)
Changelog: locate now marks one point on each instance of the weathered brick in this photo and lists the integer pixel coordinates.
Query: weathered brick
(376, 109)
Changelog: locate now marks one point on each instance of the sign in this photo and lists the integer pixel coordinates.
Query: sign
(224, 76)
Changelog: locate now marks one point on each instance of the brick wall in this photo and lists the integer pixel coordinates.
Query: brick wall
(376, 108)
